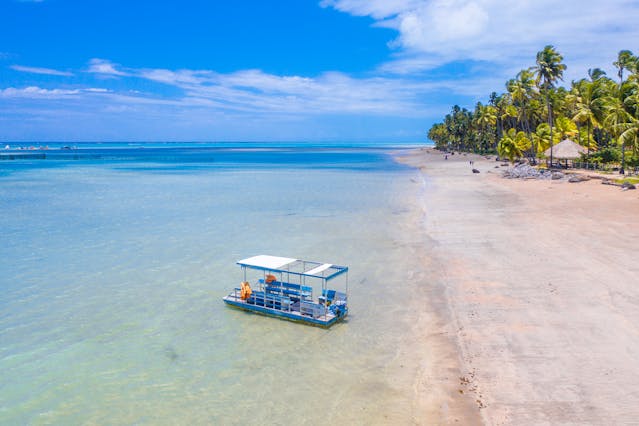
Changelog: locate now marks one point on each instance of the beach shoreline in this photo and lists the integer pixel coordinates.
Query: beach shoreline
(536, 296)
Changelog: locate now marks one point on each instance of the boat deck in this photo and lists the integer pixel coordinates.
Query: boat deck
(299, 311)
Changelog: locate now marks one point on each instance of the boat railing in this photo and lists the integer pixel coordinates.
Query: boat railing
(288, 289)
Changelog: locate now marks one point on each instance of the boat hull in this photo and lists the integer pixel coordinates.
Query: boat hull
(289, 316)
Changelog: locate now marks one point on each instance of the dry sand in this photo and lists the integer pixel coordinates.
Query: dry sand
(540, 294)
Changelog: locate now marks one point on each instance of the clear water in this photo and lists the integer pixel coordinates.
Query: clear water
(113, 266)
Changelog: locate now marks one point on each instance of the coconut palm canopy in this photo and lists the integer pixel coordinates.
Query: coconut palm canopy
(566, 150)
(602, 111)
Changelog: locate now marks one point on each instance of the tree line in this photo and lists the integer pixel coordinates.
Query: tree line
(534, 113)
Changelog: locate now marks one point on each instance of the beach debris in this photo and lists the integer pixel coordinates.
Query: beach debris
(556, 175)
(475, 171)
(627, 185)
(624, 186)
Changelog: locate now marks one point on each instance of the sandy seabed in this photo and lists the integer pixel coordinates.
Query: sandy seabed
(540, 294)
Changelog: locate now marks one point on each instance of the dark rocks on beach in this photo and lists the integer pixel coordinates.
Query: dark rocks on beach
(557, 175)
(627, 185)
(578, 178)
(525, 171)
(475, 171)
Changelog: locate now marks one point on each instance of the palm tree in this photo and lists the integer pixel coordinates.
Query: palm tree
(513, 144)
(588, 101)
(499, 102)
(485, 119)
(542, 137)
(521, 93)
(439, 135)
(548, 70)
(625, 60)
(616, 121)
(566, 128)
(630, 134)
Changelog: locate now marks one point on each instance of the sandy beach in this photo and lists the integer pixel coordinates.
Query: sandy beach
(540, 296)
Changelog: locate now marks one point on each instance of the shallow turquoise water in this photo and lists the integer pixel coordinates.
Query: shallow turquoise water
(112, 271)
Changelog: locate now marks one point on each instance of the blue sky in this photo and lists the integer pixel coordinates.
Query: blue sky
(308, 70)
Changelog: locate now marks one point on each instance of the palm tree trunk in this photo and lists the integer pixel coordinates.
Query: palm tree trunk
(533, 147)
(588, 147)
(550, 124)
(623, 145)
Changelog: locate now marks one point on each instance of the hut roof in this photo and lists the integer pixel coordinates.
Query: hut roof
(566, 150)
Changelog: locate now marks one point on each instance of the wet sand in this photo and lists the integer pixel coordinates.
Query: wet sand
(539, 284)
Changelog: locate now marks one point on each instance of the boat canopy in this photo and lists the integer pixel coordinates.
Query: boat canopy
(289, 265)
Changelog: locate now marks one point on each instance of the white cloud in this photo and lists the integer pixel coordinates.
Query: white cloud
(104, 67)
(208, 100)
(330, 92)
(36, 92)
(432, 33)
(38, 70)
(380, 9)
(260, 92)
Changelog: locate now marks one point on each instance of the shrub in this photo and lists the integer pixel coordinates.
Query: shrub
(606, 155)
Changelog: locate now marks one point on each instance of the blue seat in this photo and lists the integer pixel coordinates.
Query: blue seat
(312, 309)
(259, 298)
(288, 289)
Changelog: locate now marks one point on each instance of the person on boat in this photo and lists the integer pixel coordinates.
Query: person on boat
(245, 290)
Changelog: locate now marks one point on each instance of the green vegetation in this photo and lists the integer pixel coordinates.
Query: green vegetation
(533, 114)
(632, 180)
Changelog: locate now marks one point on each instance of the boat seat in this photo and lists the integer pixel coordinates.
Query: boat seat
(332, 296)
(270, 300)
(295, 290)
(312, 309)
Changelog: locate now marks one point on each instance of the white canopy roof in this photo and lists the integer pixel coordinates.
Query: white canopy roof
(319, 269)
(288, 265)
(267, 262)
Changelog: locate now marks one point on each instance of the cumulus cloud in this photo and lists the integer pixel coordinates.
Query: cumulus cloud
(432, 33)
(39, 70)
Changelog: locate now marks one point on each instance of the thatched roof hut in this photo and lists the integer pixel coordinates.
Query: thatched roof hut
(566, 150)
